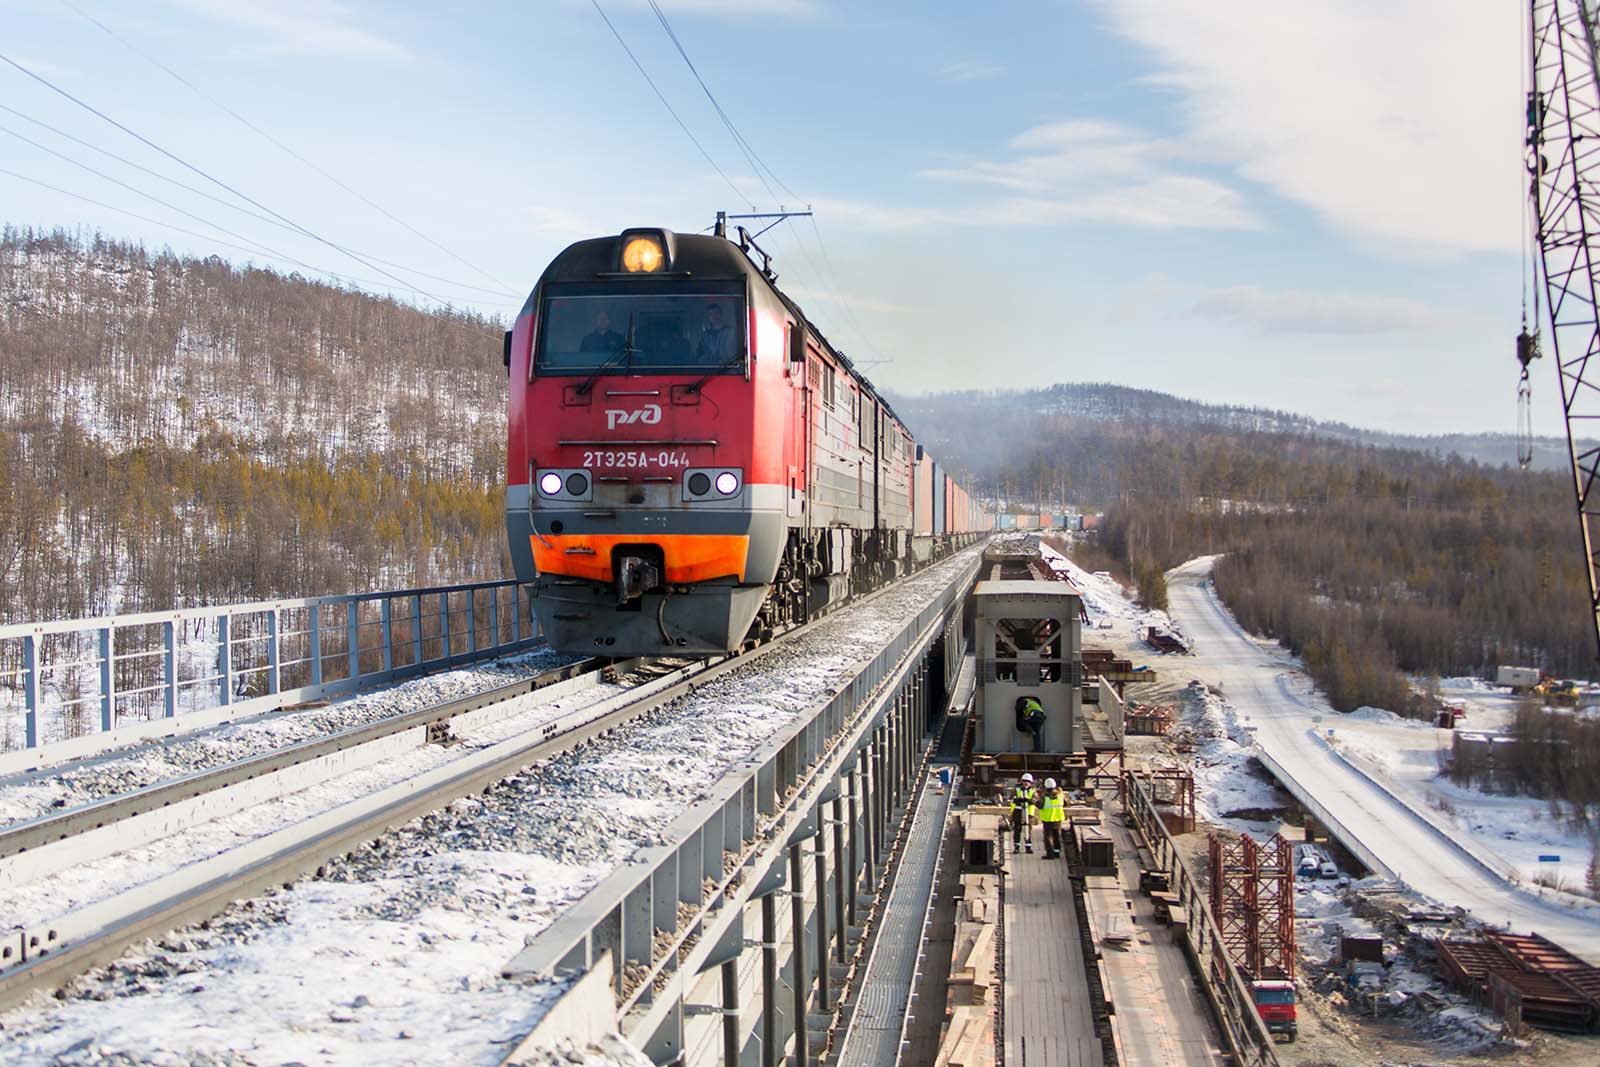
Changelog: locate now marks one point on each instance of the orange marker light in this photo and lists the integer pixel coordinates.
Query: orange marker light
(642, 255)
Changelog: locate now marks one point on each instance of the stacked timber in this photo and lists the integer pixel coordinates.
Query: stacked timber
(974, 986)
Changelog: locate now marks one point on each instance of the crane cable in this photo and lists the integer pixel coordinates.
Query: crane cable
(1528, 341)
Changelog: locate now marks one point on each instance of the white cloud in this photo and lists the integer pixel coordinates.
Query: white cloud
(302, 27)
(970, 70)
(1398, 122)
(1291, 311)
(1088, 170)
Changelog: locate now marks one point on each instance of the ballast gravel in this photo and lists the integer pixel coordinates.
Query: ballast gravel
(122, 771)
(393, 954)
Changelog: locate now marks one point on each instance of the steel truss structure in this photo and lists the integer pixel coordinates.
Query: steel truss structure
(1252, 897)
(1563, 145)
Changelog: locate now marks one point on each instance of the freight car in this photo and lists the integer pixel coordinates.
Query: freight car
(691, 465)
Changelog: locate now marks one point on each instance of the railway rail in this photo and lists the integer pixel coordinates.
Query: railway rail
(33, 834)
(43, 955)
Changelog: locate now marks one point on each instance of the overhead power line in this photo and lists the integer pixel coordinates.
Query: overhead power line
(385, 212)
(229, 204)
(252, 247)
(47, 83)
(825, 274)
(670, 110)
(755, 161)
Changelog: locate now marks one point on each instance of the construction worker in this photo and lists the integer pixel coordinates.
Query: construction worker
(1024, 806)
(1052, 813)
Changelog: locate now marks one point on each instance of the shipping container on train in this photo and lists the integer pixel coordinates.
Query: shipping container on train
(691, 465)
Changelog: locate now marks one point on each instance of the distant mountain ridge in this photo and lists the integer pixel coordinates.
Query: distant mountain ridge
(1105, 401)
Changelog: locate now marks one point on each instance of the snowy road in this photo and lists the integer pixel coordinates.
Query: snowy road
(1260, 680)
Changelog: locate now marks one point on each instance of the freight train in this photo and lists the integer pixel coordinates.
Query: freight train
(691, 465)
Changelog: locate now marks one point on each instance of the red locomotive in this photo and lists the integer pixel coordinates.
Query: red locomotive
(691, 465)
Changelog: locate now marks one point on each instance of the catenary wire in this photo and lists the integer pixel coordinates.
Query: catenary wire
(670, 110)
(249, 246)
(825, 275)
(385, 212)
(47, 83)
(453, 283)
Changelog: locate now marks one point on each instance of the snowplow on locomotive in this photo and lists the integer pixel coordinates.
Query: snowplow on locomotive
(691, 464)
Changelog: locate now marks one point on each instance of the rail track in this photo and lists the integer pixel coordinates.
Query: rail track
(33, 834)
(37, 956)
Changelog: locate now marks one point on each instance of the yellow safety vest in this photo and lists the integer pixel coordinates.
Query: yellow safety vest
(1053, 808)
(1025, 798)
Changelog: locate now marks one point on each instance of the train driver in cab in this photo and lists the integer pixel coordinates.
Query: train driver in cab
(603, 338)
(716, 338)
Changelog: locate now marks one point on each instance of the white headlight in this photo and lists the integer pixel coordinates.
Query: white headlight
(727, 483)
(550, 484)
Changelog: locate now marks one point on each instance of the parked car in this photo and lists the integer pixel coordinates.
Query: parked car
(1329, 869)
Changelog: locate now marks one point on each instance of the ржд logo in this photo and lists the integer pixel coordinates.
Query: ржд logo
(649, 415)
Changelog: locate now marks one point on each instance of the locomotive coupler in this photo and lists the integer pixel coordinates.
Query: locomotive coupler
(635, 577)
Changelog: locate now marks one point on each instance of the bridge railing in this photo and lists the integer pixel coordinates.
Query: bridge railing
(70, 679)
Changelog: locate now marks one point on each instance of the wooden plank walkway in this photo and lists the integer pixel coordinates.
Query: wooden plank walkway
(1048, 1022)
(1160, 1015)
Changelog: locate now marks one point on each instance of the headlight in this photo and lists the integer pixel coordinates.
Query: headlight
(561, 485)
(642, 255)
(712, 483)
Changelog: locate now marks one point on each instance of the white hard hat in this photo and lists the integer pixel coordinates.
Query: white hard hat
(1027, 777)
(1049, 783)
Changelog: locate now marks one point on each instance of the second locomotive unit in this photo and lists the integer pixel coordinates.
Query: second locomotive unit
(691, 465)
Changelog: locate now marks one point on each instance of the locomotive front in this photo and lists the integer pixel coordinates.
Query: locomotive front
(642, 505)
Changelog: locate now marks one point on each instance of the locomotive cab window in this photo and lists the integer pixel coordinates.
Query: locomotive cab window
(641, 333)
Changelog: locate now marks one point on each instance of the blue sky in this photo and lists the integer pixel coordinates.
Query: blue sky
(1310, 206)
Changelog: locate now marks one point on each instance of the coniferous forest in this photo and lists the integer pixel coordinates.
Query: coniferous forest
(179, 431)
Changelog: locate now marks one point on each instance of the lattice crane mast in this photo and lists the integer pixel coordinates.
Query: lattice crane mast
(1563, 155)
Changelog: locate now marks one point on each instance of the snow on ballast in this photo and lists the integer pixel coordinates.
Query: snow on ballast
(111, 774)
(393, 954)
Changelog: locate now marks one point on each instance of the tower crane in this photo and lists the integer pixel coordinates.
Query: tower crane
(1563, 157)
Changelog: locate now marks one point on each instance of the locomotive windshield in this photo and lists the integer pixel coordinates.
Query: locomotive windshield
(658, 333)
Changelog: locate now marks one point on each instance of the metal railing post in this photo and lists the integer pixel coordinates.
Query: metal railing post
(494, 616)
(224, 660)
(819, 859)
(316, 644)
(416, 628)
(769, 980)
(352, 625)
(274, 654)
(108, 678)
(730, 1014)
(472, 621)
(838, 879)
(388, 634)
(169, 656)
(855, 841)
(30, 688)
(444, 624)
(797, 958)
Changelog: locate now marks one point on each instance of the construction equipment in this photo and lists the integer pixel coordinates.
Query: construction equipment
(1563, 128)
(1252, 897)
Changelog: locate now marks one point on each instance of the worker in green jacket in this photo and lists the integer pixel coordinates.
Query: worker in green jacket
(1052, 813)
(1024, 805)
